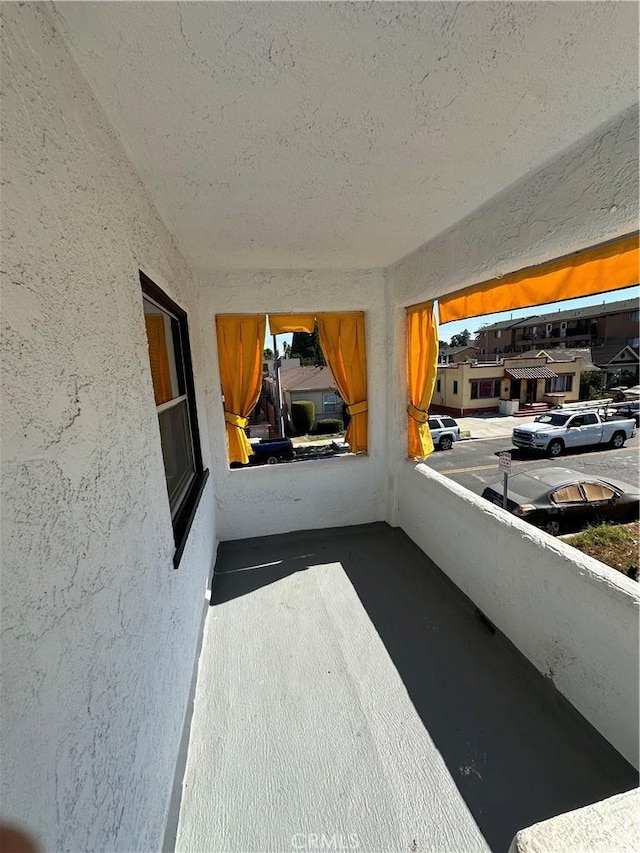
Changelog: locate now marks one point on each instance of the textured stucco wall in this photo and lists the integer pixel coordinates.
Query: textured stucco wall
(587, 194)
(98, 631)
(574, 618)
(305, 495)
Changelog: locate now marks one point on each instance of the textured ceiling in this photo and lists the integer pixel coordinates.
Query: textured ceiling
(286, 135)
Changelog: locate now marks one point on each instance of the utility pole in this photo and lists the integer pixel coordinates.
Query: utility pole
(276, 367)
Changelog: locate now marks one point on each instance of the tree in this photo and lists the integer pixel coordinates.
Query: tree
(462, 339)
(307, 348)
(268, 354)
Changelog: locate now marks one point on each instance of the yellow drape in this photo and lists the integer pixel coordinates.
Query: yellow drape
(422, 366)
(280, 323)
(343, 344)
(608, 267)
(240, 352)
(158, 358)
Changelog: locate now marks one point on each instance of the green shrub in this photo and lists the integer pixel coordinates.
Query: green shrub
(329, 426)
(303, 414)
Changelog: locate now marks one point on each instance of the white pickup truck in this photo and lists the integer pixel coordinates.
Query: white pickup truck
(557, 431)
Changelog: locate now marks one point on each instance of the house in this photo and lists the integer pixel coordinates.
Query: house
(454, 355)
(357, 649)
(477, 387)
(620, 366)
(308, 383)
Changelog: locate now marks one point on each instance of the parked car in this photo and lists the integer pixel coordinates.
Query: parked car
(444, 431)
(557, 499)
(270, 451)
(556, 431)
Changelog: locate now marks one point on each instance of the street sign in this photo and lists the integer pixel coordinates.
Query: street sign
(504, 461)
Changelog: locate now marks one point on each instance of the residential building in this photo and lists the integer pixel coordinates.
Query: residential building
(621, 366)
(611, 323)
(496, 338)
(476, 387)
(380, 651)
(454, 355)
(308, 383)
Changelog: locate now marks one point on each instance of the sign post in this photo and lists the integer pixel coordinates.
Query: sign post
(504, 465)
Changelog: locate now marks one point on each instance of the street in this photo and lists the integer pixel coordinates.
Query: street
(474, 463)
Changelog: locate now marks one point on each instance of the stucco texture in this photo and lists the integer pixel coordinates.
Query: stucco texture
(98, 631)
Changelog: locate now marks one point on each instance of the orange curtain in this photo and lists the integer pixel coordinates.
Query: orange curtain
(343, 344)
(240, 352)
(422, 366)
(608, 267)
(280, 323)
(158, 358)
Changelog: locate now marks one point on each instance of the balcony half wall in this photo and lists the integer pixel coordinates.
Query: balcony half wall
(575, 619)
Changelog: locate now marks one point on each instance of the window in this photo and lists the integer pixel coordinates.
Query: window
(438, 385)
(449, 422)
(499, 334)
(634, 317)
(172, 378)
(455, 386)
(484, 388)
(568, 494)
(598, 492)
(564, 382)
(434, 423)
(329, 403)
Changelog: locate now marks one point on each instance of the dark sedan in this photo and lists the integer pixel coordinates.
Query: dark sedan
(558, 499)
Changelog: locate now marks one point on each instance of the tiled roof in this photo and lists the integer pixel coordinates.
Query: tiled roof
(530, 372)
(307, 379)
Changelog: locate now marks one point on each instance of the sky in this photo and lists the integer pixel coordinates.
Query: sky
(473, 324)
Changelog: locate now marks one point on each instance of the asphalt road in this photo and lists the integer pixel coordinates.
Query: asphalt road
(474, 463)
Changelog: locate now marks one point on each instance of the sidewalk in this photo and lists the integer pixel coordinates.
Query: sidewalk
(491, 425)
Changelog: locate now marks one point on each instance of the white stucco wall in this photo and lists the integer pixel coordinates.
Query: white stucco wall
(307, 495)
(573, 617)
(98, 630)
(586, 195)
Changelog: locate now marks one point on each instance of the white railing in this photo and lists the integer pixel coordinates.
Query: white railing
(575, 619)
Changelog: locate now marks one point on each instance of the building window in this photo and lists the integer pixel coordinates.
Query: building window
(564, 382)
(634, 317)
(329, 403)
(438, 385)
(485, 388)
(455, 386)
(173, 389)
(499, 334)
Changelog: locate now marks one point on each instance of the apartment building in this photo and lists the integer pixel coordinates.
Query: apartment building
(613, 323)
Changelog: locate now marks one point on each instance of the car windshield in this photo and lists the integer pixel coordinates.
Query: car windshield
(554, 420)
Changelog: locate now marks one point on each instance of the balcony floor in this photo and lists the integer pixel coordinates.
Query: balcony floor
(349, 697)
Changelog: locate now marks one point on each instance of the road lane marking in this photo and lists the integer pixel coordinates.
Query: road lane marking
(516, 463)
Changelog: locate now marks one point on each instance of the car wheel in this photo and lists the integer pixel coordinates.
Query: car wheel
(618, 440)
(446, 442)
(555, 448)
(272, 460)
(552, 527)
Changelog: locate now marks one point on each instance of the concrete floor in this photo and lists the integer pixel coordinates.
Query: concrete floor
(349, 698)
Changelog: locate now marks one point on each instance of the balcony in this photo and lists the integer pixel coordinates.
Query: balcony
(259, 158)
(348, 689)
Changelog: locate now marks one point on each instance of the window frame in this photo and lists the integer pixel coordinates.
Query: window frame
(182, 519)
